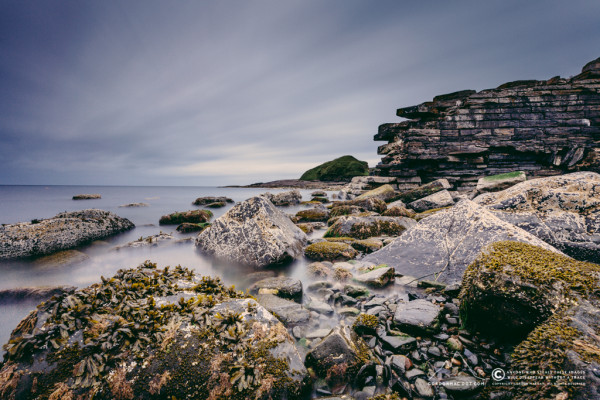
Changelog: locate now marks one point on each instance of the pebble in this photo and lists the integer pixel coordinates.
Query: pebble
(413, 373)
(434, 351)
(423, 388)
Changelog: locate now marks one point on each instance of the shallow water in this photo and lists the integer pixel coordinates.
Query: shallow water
(24, 203)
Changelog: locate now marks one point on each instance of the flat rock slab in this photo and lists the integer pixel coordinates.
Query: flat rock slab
(399, 343)
(379, 277)
(417, 315)
(283, 287)
(64, 231)
(441, 246)
(254, 233)
(495, 183)
(440, 199)
(287, 311)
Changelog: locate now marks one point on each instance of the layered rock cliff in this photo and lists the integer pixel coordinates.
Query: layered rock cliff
(540, 127)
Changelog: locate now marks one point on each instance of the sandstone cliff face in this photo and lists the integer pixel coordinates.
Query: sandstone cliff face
(540, 127)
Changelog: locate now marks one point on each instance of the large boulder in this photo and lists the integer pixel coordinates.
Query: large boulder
(253, 232)
(202, 201)
(152, 333)
(424, 190)
(64, 231)
(441, 246)
(290, 198)
(560, 210)
(546, 301)
(192, 216)
(363, 227)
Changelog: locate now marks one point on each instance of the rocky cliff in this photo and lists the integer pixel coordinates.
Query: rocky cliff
(540, 127)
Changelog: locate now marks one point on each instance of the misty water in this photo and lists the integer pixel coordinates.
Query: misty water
(25, 203)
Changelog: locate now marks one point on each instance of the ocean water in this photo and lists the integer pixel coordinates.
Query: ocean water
(24, 203)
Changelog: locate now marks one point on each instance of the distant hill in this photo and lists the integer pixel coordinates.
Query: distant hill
(340, 169)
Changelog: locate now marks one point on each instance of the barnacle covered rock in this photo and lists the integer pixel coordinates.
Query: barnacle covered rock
(64, 231)
(152, 333)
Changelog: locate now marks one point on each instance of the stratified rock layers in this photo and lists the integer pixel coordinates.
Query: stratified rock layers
(540, 127)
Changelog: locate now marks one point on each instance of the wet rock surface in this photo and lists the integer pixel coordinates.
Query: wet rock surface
(560, 210)
(442, 245)
(64, 231)
(253, 233)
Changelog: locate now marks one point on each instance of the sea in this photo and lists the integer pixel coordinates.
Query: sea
(25, 203)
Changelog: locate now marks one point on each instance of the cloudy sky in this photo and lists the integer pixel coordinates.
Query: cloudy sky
(234, 92)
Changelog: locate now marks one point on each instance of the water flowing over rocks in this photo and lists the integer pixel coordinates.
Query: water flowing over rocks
(540, 127)
(254, 233)
(62, 232)
(560, 210)
(441, 246)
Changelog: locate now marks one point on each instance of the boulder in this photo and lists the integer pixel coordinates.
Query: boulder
(378, 277)
(201, 201)
(285, 287)
(367, 245)
(560, 210)
(192, 216)
(384, 192)
(318, 214)
(287, 311)
(547, 303)
(437, 200)
(496, 183)
(290, 198)
(340, 347)
(87, 196)
(64, 231)
(188, 227)
(417, 316)
(330, 251)
(338, 211)
(159, 333)
(441, 246)
(424, 190)
(216, 204)
(253, 232)
(398, 211)
(369, 204)
(363, 227)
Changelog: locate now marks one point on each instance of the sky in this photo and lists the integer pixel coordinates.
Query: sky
(204, 93)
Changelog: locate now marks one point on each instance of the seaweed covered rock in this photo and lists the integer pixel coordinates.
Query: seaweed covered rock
(561, 210)
(202, 201)
(362, 227)
(253, 232)
(341, 169)
(290, 198)
(93, 196)
(64, 231)
(330, 251)
(318, 214)
(151, 333)
(188, 227)
(546, 301)
(384, 192)
(192, 216)
(370, 204)
(441, 246)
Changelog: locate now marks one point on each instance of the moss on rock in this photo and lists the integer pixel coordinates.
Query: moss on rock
(330, 251)
(192, 216)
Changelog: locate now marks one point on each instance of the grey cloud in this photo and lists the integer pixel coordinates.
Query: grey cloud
(211, 93)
